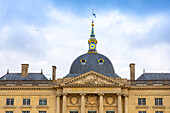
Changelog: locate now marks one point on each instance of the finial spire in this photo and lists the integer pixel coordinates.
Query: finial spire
(92, 30)
(92, 41)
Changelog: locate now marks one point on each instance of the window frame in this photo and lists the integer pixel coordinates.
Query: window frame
(25, 111)
(43, 100)
(158, 101)
(74, 111)
(110, 111)
(27, 101)
(141, 111)
(42, 112)
(9, 112)
(9, 101)
(141, 101)
(158, 111)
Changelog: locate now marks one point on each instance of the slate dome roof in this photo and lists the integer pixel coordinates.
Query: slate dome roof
(91, 63)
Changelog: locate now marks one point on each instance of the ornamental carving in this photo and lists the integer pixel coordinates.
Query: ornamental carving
(110, 99)
(92, 99)
(74, 99)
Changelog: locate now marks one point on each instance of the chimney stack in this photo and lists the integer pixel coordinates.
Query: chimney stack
(24, 71)
(54, 72)
(132, 71)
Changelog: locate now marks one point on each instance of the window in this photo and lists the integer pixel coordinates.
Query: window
(42, 101)
(142, 112)
(100, 61)
(83, 61)
(110, 111)
(74, 111)
(25, 111)
(9, 112)
(26, 101)
(42, 111)
(158, 111)
(141, 101)
(92, 111)
(9, 101)
(158, 101)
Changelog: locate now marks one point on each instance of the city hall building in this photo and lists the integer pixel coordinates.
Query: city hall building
(92, 86)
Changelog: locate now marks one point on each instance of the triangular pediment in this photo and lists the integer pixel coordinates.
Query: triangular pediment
(91, 78)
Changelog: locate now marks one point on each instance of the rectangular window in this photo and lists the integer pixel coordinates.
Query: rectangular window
(9, 112)
(26, 101)
(110, 111)
(142, 112)
(25, 111)
(158, 101)
(141, 101)
(74, 111)
(43, 101)
(92, 111)
(9, 101)
(158, 111)
(42, 111)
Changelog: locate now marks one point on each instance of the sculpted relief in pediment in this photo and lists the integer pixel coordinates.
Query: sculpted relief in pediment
(91, 78)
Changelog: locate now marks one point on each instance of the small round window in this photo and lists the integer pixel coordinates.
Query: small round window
(100, 61)
(83, 61)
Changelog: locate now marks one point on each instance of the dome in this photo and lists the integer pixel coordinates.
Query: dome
(92, 62)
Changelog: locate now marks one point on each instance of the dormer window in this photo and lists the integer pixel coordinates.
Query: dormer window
(100, 61)
(83, 61)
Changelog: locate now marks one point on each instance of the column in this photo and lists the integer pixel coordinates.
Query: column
(64, 103)
(58, 103)
(82, 102)
(101, 103)
(119, 103)
(126, 103)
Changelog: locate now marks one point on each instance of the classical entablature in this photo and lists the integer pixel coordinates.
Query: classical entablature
(91, 79)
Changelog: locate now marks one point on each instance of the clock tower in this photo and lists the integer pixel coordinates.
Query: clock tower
(92, 41)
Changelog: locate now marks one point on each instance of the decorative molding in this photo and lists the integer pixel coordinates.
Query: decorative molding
(110, 99)
(159, 106)
(142, 106)
(74, 100)
(26, 106)
(9, 106)
(42, 106)
(27, 88)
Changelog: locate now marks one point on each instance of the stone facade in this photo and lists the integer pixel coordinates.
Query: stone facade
(88, 92)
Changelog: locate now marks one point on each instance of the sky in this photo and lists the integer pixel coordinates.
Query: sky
(44, 33)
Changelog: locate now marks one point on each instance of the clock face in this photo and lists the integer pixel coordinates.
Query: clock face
(92, 46)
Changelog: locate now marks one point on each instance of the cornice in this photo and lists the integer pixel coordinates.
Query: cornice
(27, 88)
(148, 87)
(92, 85)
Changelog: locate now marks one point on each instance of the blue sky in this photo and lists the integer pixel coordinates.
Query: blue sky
(127, 31)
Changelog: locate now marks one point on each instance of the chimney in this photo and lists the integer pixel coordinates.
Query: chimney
(54, 72)
(132, 71)
(24, 72)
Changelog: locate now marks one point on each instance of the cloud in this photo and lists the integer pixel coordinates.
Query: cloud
(62, 36)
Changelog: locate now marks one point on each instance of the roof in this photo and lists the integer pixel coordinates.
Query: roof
(17, 76)
(154, 76)
(92, 64)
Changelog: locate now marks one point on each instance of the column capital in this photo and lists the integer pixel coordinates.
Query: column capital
(101, 94)
(82, 94)
(125, 95)
(64, 94)
(119, 94)
(58, 95)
